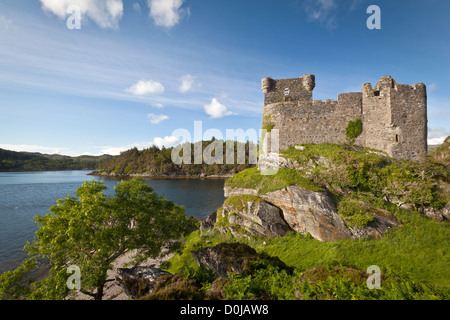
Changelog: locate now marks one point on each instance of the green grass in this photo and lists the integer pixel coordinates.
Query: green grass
(418, 250)
(252, 179)
(414, 258)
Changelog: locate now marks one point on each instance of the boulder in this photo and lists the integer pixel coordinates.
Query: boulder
(257, 218)
(309, 212)
(138, 281)
(226, 258)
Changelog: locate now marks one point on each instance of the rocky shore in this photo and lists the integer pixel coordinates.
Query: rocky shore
(116, 289)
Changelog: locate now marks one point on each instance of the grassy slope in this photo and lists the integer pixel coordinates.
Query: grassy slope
(419, 249)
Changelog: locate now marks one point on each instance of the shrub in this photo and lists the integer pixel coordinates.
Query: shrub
(353, 129)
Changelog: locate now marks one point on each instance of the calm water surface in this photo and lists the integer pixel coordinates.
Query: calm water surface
(24, 195)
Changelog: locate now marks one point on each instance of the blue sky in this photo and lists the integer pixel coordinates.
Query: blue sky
(137, 70)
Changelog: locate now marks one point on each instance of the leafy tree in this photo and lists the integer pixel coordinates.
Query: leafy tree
(92, 229)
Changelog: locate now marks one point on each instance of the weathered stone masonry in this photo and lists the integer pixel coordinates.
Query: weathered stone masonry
(394, 116)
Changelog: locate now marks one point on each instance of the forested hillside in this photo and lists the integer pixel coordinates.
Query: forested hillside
(27, 161)
(158, 162)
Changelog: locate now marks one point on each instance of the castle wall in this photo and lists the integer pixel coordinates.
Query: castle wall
(394, 116)
(313, 122)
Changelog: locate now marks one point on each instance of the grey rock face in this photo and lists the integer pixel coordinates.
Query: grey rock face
(304, 211)
(229, 192)
(226, 258)
(309, 212)
(258, 219)
(138, 281)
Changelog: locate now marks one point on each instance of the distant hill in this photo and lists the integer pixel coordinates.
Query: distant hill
(441, 153)
(30, 161)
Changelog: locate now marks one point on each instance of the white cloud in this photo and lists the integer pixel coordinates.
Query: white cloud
(105, 14)
(167, 141)
(437, 135)
(187, 82)
(166, 13)
(32, 148)
(143, 87)
(157, 118)
(216, 110)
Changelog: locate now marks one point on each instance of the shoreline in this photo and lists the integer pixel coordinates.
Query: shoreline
(149, 176)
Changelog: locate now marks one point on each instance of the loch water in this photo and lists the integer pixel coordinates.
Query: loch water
(24, 195)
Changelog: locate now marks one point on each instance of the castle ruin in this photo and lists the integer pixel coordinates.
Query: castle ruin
(394, 116)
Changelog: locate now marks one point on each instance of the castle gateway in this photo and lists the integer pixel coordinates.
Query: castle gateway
(394, 116)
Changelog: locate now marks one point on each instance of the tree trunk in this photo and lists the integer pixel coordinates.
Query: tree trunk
(99, 293)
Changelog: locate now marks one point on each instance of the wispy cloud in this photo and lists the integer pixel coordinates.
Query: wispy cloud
(157, 118)
(433, 87)
(5, 23)
(322, 11)
(167, 141)
(166, 13)
(106, 14)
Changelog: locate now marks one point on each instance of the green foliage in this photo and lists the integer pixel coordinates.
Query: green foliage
(14, 284)
(353, 129)
(355, 169)
(253, 179)
(267, 124)
(272, 283)
(91, 230)
(354, 214)
(175, 288)
(239, 202)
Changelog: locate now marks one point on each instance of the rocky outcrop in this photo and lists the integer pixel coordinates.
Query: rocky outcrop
(294, 208)
(226, 258)
(438, 215)
(384, 220)
(257, 218)
(209, 221)
(138, 281)
(309, 212)
(230, 192)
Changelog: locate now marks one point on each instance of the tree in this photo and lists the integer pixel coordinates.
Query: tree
(92, 229)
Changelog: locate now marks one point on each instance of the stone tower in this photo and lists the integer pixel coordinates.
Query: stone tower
(394, 116)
